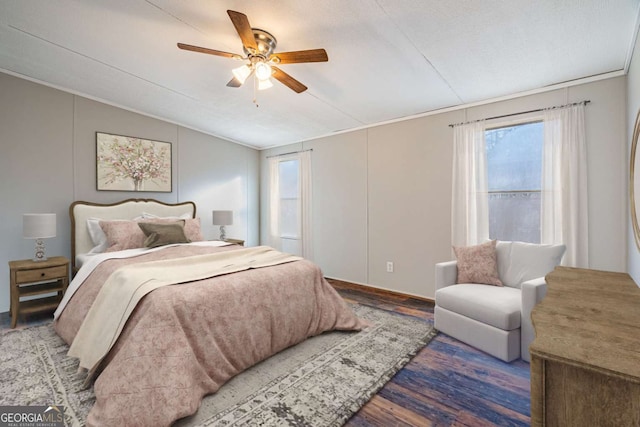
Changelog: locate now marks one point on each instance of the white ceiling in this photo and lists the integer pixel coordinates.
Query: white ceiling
(388, 59)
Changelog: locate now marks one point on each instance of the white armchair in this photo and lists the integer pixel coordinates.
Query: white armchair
(496, 319)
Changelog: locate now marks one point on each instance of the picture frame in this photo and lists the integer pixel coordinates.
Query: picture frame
(634, 181)
(126, 163)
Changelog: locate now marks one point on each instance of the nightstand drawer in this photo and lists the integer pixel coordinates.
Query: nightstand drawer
(41, 274)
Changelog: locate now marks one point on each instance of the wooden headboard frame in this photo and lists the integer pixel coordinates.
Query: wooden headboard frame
(128, 209)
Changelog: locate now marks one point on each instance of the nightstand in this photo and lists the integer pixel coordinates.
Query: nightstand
(32, 278)
(235, 241)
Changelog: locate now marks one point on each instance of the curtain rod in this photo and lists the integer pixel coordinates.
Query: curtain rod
(522, 112)
(291, 152)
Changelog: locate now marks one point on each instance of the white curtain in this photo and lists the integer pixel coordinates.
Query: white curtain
(273, 215)
(305, 204)
(470, 199)
(563, 217)
(301, 243)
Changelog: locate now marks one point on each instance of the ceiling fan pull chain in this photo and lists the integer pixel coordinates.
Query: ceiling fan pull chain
(255, 92)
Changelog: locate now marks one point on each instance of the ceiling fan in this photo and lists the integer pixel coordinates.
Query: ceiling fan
(258, 46)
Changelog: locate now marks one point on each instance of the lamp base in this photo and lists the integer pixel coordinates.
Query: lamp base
(223, 235)
(40, 253)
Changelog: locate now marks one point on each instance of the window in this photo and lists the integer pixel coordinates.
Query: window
(514, 169)
(289, 215)
(289, 210)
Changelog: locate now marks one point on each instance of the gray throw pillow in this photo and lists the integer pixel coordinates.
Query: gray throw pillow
(160, 234)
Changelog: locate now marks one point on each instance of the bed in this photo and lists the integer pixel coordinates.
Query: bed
(181, 341)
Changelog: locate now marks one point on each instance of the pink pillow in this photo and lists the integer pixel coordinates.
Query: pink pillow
(122, 235)
(192, 230)
(478, 264)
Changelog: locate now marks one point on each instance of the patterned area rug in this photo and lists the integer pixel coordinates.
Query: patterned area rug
(321, 382)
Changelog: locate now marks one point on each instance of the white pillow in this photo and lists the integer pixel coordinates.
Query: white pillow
(503, 256)
(147, 215)
(98, 237)
(519, 261)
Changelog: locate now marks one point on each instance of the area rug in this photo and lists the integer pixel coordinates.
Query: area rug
(320, 382)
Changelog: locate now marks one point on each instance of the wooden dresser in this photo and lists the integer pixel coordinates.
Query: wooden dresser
(585, 359)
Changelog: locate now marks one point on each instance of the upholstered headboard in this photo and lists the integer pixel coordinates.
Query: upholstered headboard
(80, 211)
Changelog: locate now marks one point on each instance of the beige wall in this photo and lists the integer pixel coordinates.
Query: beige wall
(380, 194)
(47, 139)
(405, 214)
(340, 213)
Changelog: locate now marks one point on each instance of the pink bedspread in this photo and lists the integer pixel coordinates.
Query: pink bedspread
(184, 341)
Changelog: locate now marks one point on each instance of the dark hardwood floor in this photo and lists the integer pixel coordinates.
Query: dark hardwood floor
(446, 384)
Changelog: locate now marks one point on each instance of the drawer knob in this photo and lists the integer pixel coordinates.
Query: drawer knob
(41, 274)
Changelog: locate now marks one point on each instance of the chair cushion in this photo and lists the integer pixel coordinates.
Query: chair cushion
(519, 261)
(493, 305)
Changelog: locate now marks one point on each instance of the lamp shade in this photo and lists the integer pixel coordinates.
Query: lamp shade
(38, 226)
(242, 73)
(222, 217)
(264, 84)
(263, 71)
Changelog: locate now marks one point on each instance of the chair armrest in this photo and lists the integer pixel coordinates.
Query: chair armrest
(446, 274)
(533, 291)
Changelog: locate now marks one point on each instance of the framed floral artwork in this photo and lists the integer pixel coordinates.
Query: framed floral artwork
(125, 163)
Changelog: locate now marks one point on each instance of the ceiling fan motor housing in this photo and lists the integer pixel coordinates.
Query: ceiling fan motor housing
(266, 43)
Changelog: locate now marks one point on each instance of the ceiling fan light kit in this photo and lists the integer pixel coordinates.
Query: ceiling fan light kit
(263, 70)
(258, 46)
(242, 73)
(264, 84)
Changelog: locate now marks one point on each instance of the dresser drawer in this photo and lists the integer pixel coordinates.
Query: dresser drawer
(41, 274)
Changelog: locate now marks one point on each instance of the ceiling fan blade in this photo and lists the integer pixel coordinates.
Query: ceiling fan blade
(241, 22)
(287, 80)
(312, 55)
(234, 83)
(209, 51)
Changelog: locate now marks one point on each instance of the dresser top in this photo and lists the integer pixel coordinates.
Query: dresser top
(591, 319)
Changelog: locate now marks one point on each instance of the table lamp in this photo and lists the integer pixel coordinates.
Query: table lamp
(39, 227)
(222, 218)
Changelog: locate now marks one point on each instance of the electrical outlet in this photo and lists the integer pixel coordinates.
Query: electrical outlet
(389, 267)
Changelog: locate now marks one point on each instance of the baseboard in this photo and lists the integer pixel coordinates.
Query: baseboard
(378, 290)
